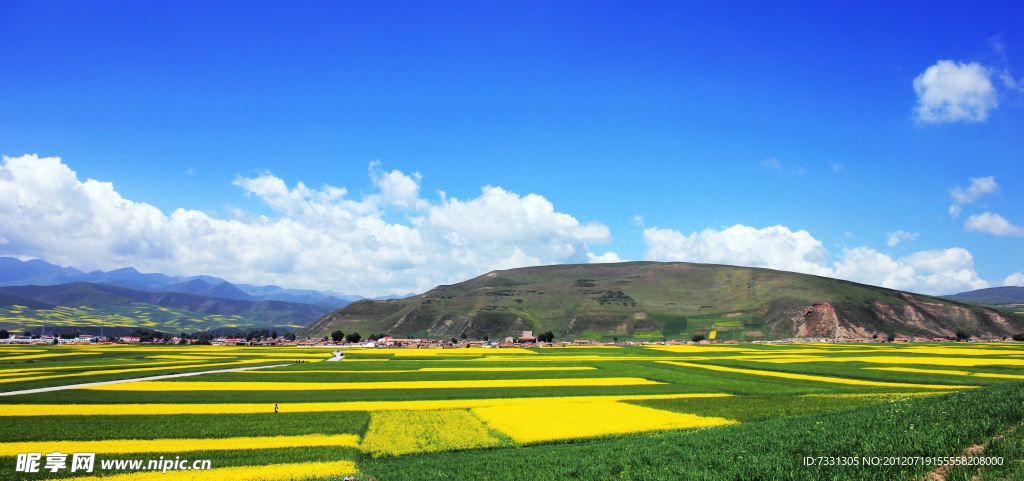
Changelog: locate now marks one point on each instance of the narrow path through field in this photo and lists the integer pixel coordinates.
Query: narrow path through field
(150, 378)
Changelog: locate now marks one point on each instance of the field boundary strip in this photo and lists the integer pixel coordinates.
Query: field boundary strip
(125, 446)
(342, 386)
(808, 377)
(14, 410)
(140, 379)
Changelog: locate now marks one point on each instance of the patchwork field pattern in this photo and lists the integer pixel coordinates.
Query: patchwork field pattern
(378, 409)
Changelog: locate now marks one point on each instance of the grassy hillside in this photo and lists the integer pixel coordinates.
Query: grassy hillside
(665, 300)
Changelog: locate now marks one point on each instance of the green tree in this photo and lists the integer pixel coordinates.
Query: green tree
(891, 338)
(337, 336)
(697, 338)
(353, 337)
(463, 335)
(4, 334)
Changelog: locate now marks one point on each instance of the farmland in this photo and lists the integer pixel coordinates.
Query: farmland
(733, 411)
(123, 318)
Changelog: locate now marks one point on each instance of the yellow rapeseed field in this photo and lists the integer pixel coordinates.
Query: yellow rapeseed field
(392, 433)
(327, 386)
(45, 368)
(248, 408)
(120, 371)
(567, 420)
(435, 369)
(807, 377)
(926, 371)
(179, 445)
(466, 351)
(40, 356)
(272, 472)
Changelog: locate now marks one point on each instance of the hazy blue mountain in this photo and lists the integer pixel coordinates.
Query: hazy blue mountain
(194, 286)
(223, 290)
(992, 295)
(14, 272)
(17, 272)
(393, 296)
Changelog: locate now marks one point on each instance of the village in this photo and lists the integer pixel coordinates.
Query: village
(526, 341)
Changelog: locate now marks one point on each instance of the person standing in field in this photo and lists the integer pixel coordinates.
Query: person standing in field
(275, 408)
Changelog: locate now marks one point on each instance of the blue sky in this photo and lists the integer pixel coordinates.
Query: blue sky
(756, 122)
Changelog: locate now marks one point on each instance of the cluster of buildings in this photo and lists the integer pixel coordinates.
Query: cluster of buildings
(527, 340)
(22, 339)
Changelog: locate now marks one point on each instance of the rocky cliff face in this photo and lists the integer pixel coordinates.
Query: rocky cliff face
(913, 317)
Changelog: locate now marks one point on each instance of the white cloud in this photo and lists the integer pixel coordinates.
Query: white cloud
(318, 239)
(1010, 82)
(933, 272)
(953, 91)
(993, 224)
(607, 257)
(190, 171)
(772, 164)
(955, 210)
(773, 247)
(898, 236)
(398, 189)
(1016, 279)
(997, 44)
(979, 186)
(638, 221)
(800, 171)
(836, 166)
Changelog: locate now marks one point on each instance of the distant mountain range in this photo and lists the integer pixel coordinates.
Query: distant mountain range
(1000, 296)
(15, 272)
(88, 308)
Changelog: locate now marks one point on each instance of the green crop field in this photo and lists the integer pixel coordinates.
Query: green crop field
(733, 411)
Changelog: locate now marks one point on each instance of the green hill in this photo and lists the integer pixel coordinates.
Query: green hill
(665, 300)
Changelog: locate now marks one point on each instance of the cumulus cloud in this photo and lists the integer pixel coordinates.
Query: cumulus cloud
(773, 247)
(1016, 280)
(318, 237)
(604, 259)
(979, 186)
(933, 272)
(771, 164)
(953, 91)
(638, 221)
(898, 236)
(993, 224)
(955, 210)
